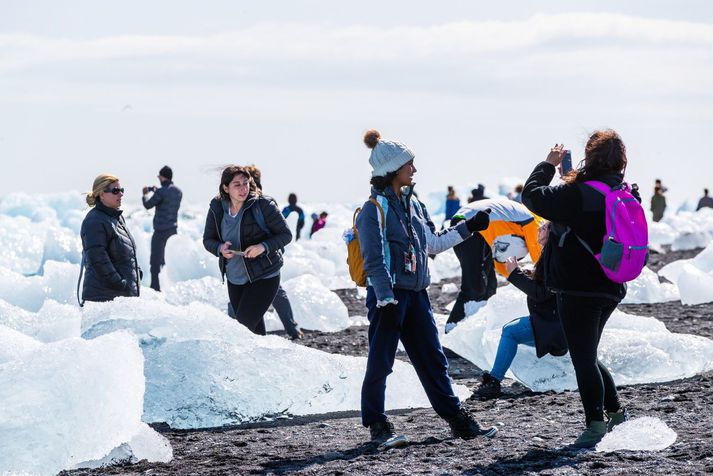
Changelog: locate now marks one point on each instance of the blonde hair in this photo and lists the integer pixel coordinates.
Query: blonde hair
(100, 184)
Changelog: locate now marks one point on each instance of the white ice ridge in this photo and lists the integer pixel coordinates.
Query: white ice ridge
(639, 434)
(693, 277)
(204, 369)
(647, 289)
(72, 401)
(635, 349)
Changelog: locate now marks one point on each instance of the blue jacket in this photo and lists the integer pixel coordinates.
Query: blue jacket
(407, 224)
(167, 201)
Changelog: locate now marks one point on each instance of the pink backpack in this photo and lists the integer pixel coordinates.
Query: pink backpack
(626, 244)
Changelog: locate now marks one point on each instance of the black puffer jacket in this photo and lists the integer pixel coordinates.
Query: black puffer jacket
(276, 236)
(542, 304)
(109, 255)
(569, 267)
(167, 201)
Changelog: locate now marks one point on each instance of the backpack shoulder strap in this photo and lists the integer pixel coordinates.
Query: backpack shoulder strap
(260, 218)
(381, 211)
(598, 186)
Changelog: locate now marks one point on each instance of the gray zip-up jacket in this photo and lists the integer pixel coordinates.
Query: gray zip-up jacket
(167, 200)
(407, 225)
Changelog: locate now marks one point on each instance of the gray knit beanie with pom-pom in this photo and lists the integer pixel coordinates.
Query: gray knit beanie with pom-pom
(386, 155)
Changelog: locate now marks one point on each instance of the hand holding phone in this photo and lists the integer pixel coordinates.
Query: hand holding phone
(566, 164)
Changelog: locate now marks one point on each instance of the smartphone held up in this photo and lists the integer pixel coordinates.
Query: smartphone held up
(566, 165)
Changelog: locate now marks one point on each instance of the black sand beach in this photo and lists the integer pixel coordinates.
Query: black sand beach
(534, 427)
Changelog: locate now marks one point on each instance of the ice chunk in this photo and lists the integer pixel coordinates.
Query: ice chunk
(444, 265)
(449, 288)
(635, 349)
(147, 444)
(204, 369)
(53, 322)
(639, 434)
(14, 344)
(661, 233)
(672, 271)
(647, 289)
(58, 282)
(695, 286)
(70, 401)
(315, 306)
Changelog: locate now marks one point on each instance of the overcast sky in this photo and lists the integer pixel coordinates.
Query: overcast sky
(479, 91)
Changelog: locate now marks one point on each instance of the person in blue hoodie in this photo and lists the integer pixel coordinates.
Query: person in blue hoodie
(395, 247)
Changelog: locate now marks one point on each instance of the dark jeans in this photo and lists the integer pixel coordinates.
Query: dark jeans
(419, 336)
(478, 281)
(583, 320)
(250, 302)
(158, 254)
(284, 311)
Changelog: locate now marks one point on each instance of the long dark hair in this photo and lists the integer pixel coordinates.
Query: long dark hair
(604, 154)
(229, 174)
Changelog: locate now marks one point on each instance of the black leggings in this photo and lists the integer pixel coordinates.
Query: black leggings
(251, 301)
(583, 320)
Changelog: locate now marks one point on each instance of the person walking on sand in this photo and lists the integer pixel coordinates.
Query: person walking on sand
(281, 303)
(246, 232)
(167, 200)
(395, 247)
(540, 329)
(585, 296)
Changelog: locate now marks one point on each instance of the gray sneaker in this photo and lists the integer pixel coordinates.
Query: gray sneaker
(616, 418)
(381, 430)
(592, 435)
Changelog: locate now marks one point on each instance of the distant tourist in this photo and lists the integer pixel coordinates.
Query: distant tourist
(109, 250)
(318, 222)
(478, 193)
(540, 329)
(452, 203)
(293, 207)
(398, 307)
(705, 201)
(516, 195)
(246, 232)
(586, 297)
(167, 200)
(658, 201)
(281, 303)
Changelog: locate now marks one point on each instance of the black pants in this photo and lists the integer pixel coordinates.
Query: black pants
(284, 311)
(583, 320)
(478, 281)
(250, 302)
(158, 254)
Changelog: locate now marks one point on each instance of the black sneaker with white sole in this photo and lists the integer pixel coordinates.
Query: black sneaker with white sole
(463, 425)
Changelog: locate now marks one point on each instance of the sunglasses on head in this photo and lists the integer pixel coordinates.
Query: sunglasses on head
(115, 190)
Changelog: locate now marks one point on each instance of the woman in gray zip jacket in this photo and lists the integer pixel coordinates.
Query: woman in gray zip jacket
(395, 253)
(247, 233)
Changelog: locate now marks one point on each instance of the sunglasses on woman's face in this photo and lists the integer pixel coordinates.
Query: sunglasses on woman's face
(115, 190)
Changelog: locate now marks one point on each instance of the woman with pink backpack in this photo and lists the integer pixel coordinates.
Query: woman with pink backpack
(588, 259)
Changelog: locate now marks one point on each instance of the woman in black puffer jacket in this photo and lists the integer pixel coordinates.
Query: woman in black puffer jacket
(109, 251)
(247, 233)
(586, 298)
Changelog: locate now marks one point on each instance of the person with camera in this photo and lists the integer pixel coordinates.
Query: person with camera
(585, 296)
(108, 249)
(396, 235)
(167, 200)
(247, 232)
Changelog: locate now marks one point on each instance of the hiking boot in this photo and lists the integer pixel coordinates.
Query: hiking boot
(592, 435)
(489, 387)
(381, 430)
(463, 425)
(450, 326)
(616, 418)
(299, 335)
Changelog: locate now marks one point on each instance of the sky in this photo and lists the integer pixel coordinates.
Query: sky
(478, 90)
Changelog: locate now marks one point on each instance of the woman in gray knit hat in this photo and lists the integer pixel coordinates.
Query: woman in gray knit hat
(395, 255)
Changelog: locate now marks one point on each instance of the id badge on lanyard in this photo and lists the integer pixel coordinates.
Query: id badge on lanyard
(410, 260)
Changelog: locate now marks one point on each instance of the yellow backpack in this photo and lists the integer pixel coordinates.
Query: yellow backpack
(355, 260)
